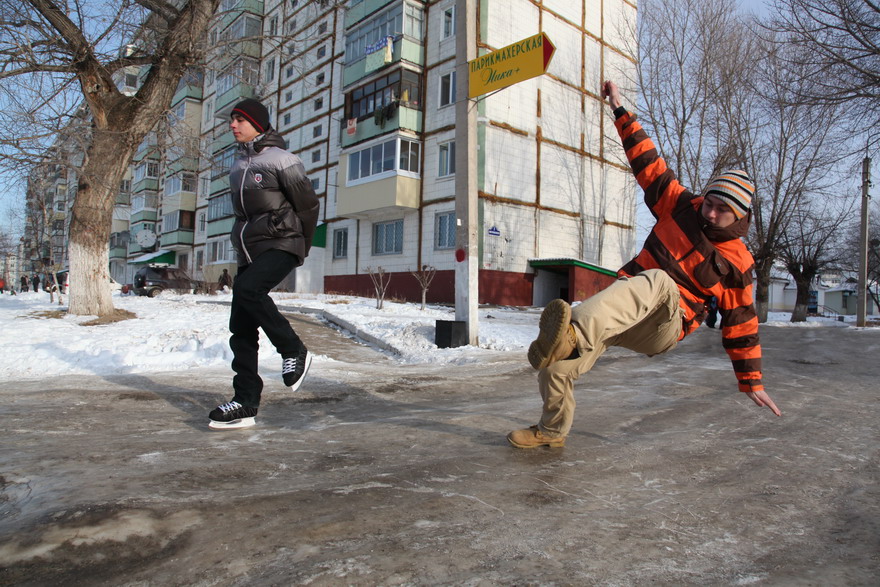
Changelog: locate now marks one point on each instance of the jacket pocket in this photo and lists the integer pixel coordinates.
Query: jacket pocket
(711, 270)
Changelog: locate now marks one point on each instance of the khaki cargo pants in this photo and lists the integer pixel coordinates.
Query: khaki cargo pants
(639, 313)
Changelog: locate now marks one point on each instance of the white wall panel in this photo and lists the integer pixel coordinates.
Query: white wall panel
(511, 164)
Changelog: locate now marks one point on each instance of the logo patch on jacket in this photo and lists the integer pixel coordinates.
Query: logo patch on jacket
(258, 177)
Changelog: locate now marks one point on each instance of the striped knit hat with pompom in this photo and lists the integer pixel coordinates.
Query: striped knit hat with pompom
(735, 187)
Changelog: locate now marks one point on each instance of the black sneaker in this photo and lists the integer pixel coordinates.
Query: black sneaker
(294, 369)
(232, 415)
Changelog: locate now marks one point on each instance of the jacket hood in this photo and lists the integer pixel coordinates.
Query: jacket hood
(738, 229)
(270, 138)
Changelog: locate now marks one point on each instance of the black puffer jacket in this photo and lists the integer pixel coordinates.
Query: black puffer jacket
(273, 200)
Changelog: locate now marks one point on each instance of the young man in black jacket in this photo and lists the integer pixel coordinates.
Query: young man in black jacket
(276, 212)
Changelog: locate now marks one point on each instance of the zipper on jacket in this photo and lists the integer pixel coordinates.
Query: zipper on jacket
(241, 200)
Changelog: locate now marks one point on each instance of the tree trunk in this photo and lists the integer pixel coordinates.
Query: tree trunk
(762, 288)
(91, 221)
(802, 300)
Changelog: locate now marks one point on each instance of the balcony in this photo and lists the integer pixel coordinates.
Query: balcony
(393, 193)
(176, 237)
(252, 6)
(239, 91)
(192, 90)
(144, 216)
(221, 226)
(402, 118)
(357, 13)
(403, 49)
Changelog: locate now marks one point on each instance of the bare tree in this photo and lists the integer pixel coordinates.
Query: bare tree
(380, 280)
(58, 57)
(810, 246)
(719, 95)
(850, 257)
(687, 48)
(425, 276)
(841, 63)
(794, 149)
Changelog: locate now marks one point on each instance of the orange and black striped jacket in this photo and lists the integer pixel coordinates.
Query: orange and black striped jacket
(701, 265)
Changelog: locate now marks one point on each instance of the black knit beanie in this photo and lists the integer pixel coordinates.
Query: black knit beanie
(255, 113)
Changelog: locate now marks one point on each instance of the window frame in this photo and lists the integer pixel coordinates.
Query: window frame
(448, 170)
(447, 94)
(442, 235)
(397, 238)
(340, 243)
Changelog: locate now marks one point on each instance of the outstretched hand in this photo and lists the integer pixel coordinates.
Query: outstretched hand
(612, 92)
(762, 399)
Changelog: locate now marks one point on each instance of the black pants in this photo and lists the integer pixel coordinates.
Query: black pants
(252, 308)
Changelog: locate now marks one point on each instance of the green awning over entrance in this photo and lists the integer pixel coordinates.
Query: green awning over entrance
(563, 264)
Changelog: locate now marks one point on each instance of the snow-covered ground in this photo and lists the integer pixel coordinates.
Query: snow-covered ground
(187, 331)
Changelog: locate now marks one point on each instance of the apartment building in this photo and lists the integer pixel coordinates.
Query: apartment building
(365, 92)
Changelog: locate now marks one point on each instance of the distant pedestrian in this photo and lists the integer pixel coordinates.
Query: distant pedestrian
(694, 252)
(36, 282)
(225, 280)
(24, 283)
(276, 212)
(712, 315)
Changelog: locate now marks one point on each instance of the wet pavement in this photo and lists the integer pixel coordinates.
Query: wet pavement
(380, 473)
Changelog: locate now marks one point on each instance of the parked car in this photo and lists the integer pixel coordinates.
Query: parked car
(152, 280)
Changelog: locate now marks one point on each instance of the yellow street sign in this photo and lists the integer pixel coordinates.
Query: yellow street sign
(509, 65)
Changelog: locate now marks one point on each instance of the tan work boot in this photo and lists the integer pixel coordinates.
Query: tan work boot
(556, 338)
(532, 437)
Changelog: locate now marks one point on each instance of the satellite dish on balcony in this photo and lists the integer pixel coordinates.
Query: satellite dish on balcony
(146, 238)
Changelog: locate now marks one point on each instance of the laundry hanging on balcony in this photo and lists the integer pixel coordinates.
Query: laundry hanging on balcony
(378, 54)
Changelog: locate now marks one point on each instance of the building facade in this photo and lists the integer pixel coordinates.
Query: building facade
(365, 92)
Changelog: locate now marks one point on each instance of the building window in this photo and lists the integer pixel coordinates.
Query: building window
(447, 159)
(223, 161)
(273, 26)
(286, 118)
(448, 23)
(146, 170)
(319, 79)
(414, 21)
(220, 206)
(322, 28)
(444, 230)
(319, 103)
(377, 28)
(220, 251)
(381, 158)
(388, 238)
(288, 73)
(180, 182)
(447, 89)
(200, 260)
(400, 86)
(340, 243)
(270, 71)
(178, 220)
(316, 156)
(322, 51)
(242, 71)
(316, 184)
(410, 155)
(144, 201)
(208, 110)
(203, 223)
(317, 131)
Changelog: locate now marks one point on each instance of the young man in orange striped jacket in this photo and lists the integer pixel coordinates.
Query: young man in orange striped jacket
(693, 253)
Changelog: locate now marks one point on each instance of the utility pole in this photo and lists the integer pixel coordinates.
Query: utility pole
(467, 222)
(862, 296)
